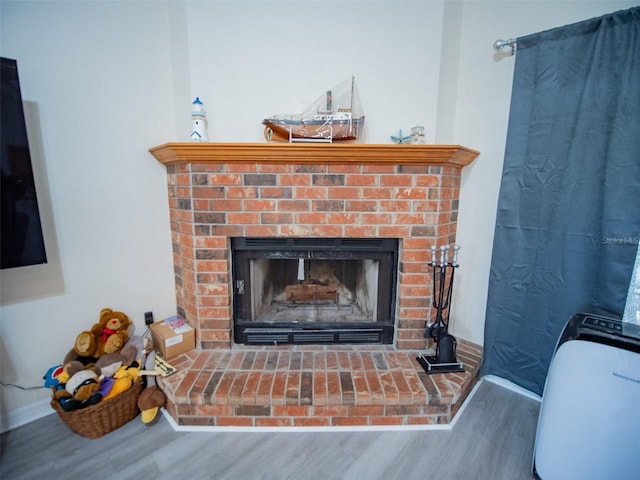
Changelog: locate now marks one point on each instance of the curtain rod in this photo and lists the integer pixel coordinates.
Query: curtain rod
(500, 44)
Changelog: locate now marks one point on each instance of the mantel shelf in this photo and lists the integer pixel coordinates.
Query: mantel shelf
(314, 153)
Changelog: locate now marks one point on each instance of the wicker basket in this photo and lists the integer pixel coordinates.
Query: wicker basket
(104, 417)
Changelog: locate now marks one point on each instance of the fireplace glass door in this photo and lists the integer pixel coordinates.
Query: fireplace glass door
(324, 290)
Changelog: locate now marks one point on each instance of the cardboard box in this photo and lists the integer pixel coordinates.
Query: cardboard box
(173, 336)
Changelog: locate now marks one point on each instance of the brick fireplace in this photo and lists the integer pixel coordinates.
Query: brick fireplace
(222, 191)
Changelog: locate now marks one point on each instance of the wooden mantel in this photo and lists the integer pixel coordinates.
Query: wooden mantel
(314, 153)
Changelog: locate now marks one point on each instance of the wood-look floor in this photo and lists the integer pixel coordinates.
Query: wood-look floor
(492, 439)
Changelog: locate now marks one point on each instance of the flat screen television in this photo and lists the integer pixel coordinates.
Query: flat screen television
(21, 238)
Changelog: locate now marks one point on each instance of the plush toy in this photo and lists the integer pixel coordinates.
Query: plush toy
(106, 385)
(82, 385)
(141, 347)
(51, 377)
(108, 364)
(86, 345)
(113, 335)
(149, 402)
(109, 335)
(109, 367)
(125, 377)
(81, 390)
(69, 369)
(152, 398)
(73, 356)
(101, 364)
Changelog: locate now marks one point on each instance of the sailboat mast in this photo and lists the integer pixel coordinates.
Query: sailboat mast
(353, 81)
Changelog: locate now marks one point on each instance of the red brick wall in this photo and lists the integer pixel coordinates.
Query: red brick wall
(211, 202)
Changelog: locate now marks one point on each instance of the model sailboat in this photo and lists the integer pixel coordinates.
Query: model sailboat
(336, 116)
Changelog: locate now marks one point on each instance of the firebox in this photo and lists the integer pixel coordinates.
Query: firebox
(314, 290)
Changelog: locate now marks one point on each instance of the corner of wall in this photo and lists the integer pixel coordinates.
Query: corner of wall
(449, 67)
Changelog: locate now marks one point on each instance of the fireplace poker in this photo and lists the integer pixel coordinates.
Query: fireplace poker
(442, 299)
(445, 357)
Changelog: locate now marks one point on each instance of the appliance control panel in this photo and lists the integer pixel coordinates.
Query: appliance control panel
(603, 323)
(602, 329)
(610, 331)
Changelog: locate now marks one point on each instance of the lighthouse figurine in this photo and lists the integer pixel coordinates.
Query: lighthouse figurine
(199, 131)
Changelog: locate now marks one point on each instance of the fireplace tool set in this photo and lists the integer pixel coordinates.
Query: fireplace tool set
(444, 360)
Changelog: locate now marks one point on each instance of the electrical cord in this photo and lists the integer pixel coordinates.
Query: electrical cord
(145, 334)
(20, 386)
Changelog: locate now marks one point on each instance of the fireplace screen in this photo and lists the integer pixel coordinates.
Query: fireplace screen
(325, 290)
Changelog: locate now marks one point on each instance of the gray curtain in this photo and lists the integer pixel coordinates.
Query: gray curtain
(568, 217)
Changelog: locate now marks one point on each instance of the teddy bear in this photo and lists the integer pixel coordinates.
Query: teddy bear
(114, 333)
(109, 335)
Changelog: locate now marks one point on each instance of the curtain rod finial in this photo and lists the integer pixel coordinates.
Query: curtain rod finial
(500, 44)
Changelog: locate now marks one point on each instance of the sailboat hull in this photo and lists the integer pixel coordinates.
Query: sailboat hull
(284, 130)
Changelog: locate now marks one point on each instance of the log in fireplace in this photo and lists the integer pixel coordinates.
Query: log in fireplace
(314, 290)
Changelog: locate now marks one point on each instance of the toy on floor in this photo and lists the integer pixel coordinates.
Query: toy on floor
(152, 398)
(79, 384)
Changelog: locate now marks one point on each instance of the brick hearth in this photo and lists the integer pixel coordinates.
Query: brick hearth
(315, 386)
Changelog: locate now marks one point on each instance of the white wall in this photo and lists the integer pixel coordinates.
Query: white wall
(98, 79)
(250, 60)
(104, 81)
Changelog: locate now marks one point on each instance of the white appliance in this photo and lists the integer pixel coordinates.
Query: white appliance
(589, 421)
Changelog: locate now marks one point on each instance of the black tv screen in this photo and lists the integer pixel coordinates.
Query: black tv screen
(21, 239)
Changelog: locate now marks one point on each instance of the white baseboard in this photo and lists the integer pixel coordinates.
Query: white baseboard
(27, 414)
(512, 386)
(325, 428)
(42, 408)
(351, 428)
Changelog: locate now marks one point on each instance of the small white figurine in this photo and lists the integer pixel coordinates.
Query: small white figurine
(199, 131)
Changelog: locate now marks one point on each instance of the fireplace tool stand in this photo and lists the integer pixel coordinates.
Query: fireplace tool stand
(444, 361)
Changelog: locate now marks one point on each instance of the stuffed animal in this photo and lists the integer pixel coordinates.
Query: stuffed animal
(113, 335)
(86, 344)
(151, 398)
(125, 377)
(109, 335)
(81, 390)
(51, 377)
(141, 347)
(149, 402)
(69, 369)
(108, 364)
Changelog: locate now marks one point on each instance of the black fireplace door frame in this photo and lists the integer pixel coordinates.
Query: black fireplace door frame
(379, 331)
